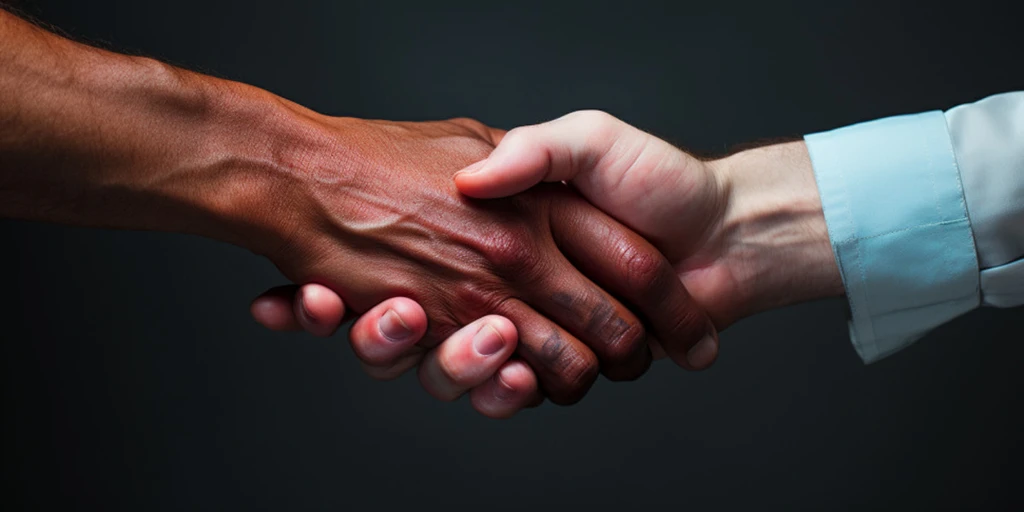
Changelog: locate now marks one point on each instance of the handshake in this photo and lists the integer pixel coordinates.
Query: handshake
(513, 266)
(518, 266)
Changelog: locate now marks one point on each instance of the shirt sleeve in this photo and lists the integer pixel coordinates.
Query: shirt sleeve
(898, 224)
(988, 139)
(926, 217)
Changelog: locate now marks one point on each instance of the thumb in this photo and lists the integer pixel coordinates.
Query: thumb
(558, 150)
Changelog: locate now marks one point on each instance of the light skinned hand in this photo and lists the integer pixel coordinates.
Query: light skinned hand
(745, 233)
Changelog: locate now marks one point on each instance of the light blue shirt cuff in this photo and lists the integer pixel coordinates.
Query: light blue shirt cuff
(899, 228)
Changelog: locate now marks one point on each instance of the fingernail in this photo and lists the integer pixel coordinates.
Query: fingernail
(393, 328)
(703, 353)
(503, 392)
(473, 168)
(487, 341)
(303, 309)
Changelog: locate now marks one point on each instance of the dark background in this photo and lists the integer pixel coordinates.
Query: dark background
(134, 378)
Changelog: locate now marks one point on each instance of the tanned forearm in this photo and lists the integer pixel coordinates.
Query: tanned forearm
(94, 138)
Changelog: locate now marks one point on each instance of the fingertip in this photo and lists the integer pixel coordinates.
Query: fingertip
(489, 185)
(517, 375)
(322, 307)
(317, 309)
(274, 313)
(472, 168)
(482, 185)
(514, 166)
(704, 353)
(388, 330)
(409, 312)
(696, 356)
(511, 389)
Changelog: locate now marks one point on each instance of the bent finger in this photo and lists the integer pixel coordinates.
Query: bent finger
(273, 309)
(318, 309)
(631, 268)
(468, 358)
(388, 331)
(512, 388)
(564, 366)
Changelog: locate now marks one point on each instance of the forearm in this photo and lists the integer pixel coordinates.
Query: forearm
(94, 138)
(774, 229)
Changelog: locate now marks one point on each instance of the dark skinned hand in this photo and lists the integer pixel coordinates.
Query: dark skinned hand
(386, 221)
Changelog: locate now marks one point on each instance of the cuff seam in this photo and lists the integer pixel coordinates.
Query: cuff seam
(908, 228)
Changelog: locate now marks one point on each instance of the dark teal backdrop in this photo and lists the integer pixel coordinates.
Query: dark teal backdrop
(134, 378)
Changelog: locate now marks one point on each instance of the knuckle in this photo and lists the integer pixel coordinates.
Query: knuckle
(592, 116)
(621, 337)
(643, 269)
(512, 251)
(598, 121)
(626, 339)
(570, 372)
(474, 299)
(579, 375)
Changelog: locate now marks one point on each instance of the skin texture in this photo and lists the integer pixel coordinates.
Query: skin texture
(365, 208)
(374, 236)
(732, 228)
(744, 233)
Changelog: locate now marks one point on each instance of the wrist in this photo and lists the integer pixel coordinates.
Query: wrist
(773, 228)
(242, 164)
(247, 161)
